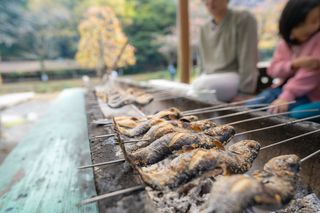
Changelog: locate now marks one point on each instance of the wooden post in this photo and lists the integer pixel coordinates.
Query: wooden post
(184, 44)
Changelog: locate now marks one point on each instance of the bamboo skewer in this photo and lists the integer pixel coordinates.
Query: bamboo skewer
(309, 156)
(102, 164)
(168, 98)
(266, 147)
(103, 136)
(224, 109)
(142, 187)
(278, 125)
(272, 115)
(224, 105)
(112, 194)
(249, 111)
(290, 139)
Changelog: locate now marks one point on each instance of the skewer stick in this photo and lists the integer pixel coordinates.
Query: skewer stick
(309, 156)
(112, 194)
(270, 116)
(278, 125)
(290, 139)
(142, 187)
(102, 164)
(108, 122)
(168, 98)
(225, 105)
(225, 109)
(249, 111)
(103, 136)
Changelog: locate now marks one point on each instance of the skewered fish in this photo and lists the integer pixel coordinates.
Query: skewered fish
(127, 122)
(280, 175)
(130, 96)
(167, 144)
(141, 128)
(184, 167)
(144, 126)
(271, 188)
(164, 128)
(157, 131)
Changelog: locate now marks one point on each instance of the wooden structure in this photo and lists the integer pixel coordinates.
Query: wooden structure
(184, 51)
(40, 174)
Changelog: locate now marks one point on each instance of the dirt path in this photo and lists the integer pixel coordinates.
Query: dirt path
(16, 121)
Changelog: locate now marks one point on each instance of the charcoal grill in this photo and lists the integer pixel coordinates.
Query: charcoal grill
(116, 177)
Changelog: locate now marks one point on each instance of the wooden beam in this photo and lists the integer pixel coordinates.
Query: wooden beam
(184, 41)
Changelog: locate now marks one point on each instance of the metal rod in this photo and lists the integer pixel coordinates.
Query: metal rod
(225, 105)
(103, 136)
(290, 139)
(136, 140)
(278, 125)
(102, 164)
(249, 111)
(102, 122)
(225, 109)
(272, 115)
(309, 156)
(168, 98)
(112, 194)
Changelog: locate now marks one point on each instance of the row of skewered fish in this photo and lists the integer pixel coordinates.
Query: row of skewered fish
(116, 97)
(183, 159)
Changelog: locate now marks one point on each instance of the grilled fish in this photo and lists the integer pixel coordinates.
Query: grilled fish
(167, 144)
(157, 131)
(181, 169)
(140, 129)
(271, 188)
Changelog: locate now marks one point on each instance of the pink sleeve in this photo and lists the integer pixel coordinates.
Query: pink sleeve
(281, 62)
(301, 84)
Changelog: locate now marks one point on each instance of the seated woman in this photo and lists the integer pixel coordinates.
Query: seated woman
(227, 51)
(296, 60)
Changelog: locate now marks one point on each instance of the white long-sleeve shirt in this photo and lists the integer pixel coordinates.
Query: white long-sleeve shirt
(231, 46)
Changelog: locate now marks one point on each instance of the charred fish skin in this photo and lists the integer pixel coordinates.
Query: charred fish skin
(271, 188)
(152, 153)
(280, 175)
(166, 145)
(141, 128)
(161, 175)
(224, 132)
(157, 131)
(240, 191)
(194, 163)
(244, 153)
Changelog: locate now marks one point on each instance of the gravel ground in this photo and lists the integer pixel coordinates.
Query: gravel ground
(16, 121)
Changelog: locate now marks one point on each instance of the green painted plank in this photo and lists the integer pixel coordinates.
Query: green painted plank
(40, 174)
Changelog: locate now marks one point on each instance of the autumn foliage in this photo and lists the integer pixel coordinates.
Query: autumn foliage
(103, 45)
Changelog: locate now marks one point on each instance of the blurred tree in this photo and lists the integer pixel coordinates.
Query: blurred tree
(12, 24)
(124, 9)
(168, 43)
(151, 18)
(103, 45)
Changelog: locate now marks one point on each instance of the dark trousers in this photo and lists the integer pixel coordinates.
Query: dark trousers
(302, 103)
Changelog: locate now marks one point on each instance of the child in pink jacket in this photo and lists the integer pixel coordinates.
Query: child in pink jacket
(296, 60)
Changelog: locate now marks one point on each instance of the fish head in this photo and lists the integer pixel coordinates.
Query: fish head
(189, 118)
(283, 165)
(249, 149)
(224, 133)
(203, 125)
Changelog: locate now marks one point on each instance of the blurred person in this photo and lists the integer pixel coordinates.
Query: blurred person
(172, 71)
(296, 60)
(228, 52)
